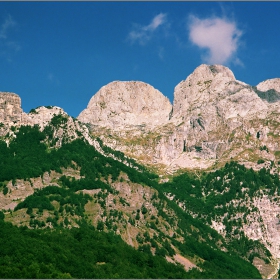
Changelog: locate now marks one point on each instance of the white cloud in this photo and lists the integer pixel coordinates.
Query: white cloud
(143, 34)
(8, 46)
(8, 23)
(219, 36)
(156, 22)
(161, 53)
(52, 79)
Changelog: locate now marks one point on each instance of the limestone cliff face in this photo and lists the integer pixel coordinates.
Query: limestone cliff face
(214, 117)
(10, 107)
(204, 85)
(214, 92)
(209, 107)
(121, 104)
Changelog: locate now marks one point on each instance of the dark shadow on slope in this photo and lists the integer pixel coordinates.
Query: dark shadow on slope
(270, 96)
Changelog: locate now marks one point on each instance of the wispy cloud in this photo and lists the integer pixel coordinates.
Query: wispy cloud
(6, 25)
(220, 37)
(7, 45)
(52, 79)
(161, 53)
(143, 34)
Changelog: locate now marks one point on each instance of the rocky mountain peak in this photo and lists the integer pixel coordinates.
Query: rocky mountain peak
(212, 114)
(211, 89)
(204, 72)
(43, 115)
(122, 104)
(207, 84)
(10, 107)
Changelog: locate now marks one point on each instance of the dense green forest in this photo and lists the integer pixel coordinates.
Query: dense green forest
(85, 252)
(77, 253)
(98, 252)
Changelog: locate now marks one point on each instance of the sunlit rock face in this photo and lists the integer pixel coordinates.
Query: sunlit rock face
(213, 117)
(213, 90)
(121, 104)
(10, 107)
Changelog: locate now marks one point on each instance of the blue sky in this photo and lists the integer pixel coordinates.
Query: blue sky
(62, 53)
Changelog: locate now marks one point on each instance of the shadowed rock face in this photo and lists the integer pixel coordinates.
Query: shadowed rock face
(119, 104)
(269, 90)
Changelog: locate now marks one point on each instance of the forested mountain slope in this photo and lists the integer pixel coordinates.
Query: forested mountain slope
(75, 193)
(240, 203)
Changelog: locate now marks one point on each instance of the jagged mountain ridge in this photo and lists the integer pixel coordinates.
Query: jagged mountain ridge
(211, 116)
(222, 119)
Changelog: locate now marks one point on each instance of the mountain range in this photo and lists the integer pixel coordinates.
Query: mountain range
(194, 183)
(214, 117)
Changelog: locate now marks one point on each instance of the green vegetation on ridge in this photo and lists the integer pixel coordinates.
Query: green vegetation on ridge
(76, 253)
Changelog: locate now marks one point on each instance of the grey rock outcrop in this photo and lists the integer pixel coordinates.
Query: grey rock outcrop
(269, 91)
(43, 115)
(11, 115)
(214, 92)
(121, 104)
